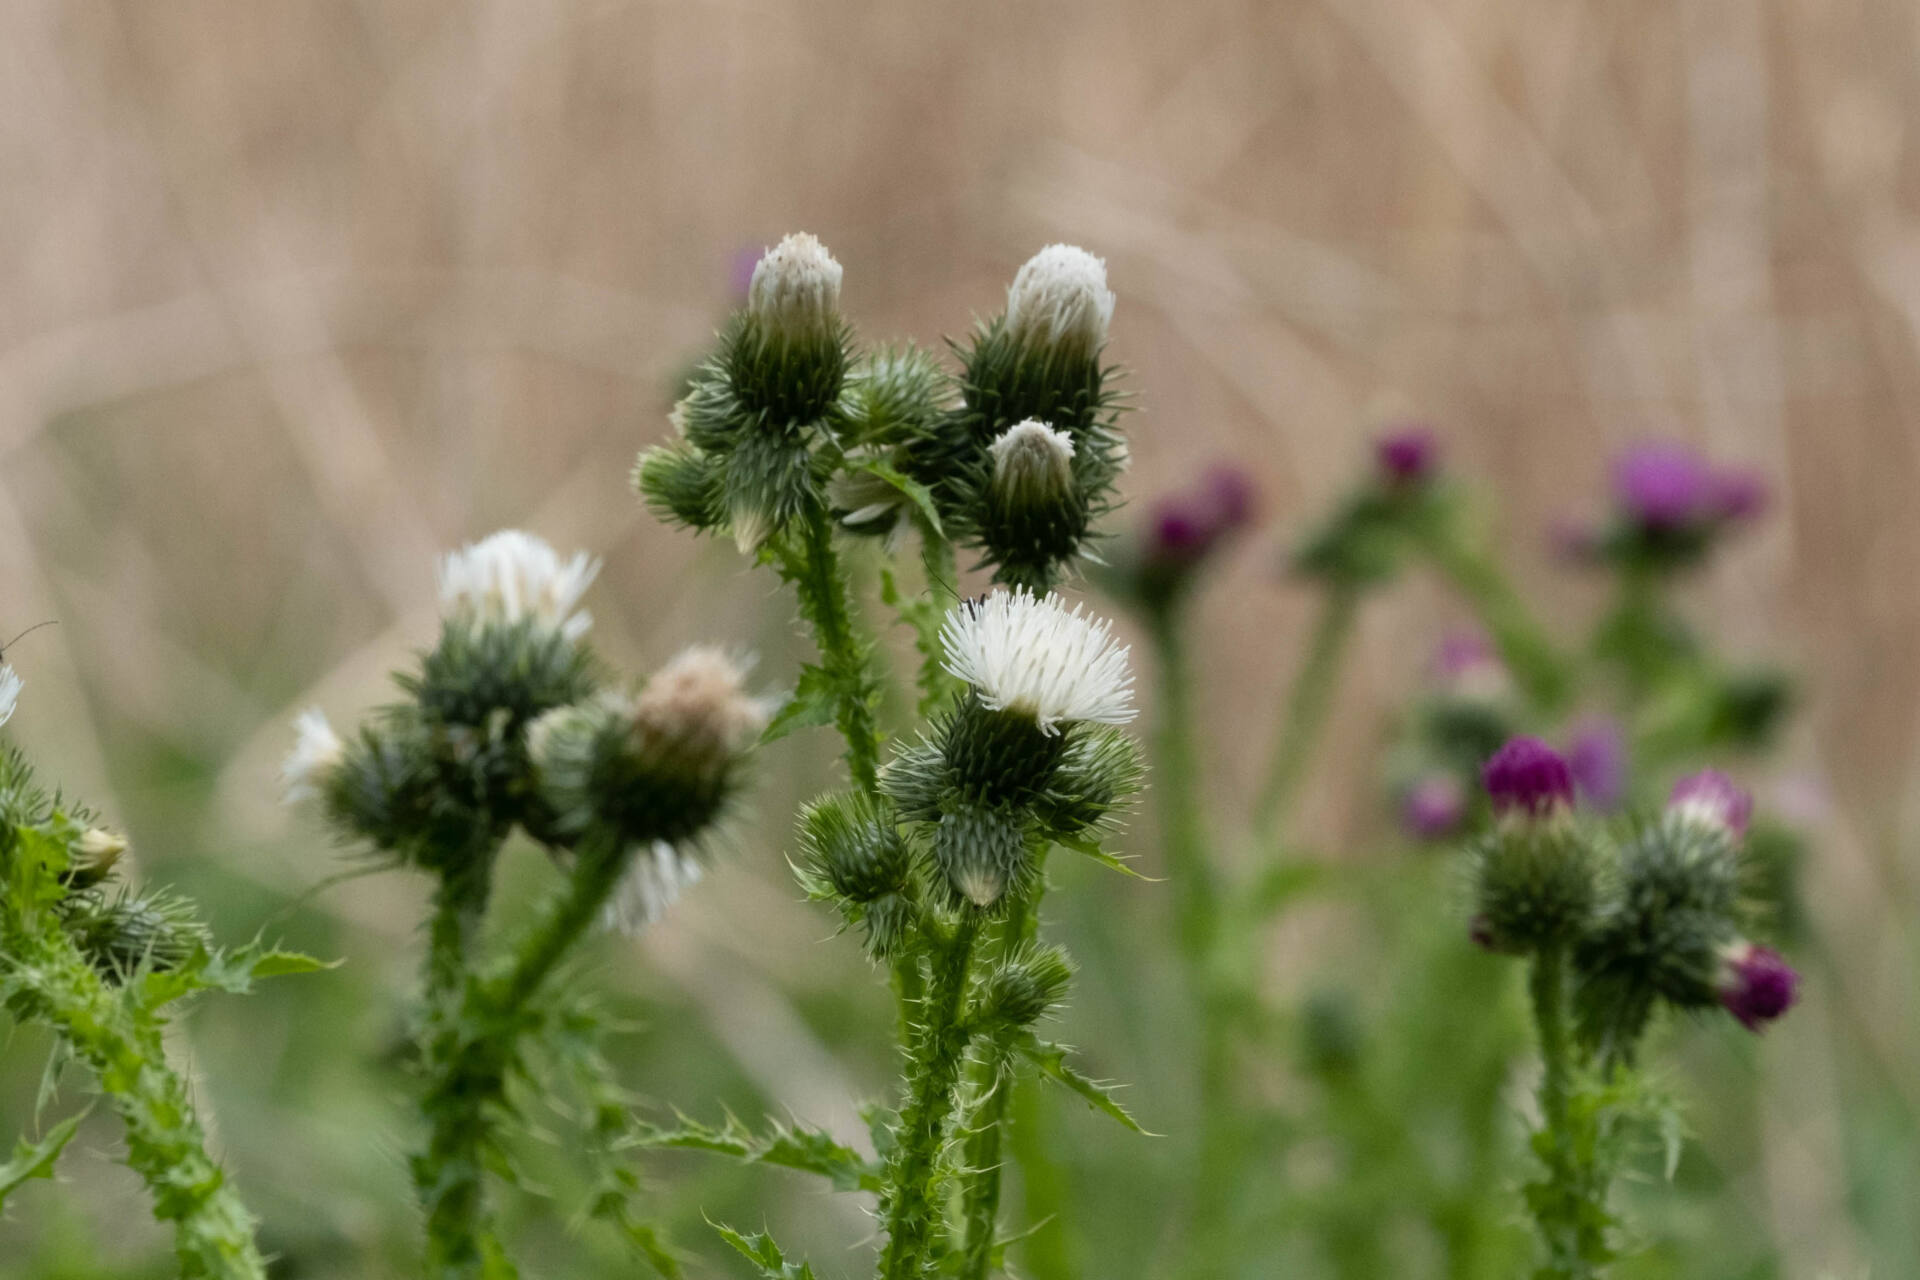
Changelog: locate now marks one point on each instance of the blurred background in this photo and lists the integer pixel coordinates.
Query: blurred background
(297, 296)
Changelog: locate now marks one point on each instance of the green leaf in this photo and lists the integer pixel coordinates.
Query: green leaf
(36, 1159)
(1051, 1059)
(916, 493)
(804, 1149)
(813, 704)
(760, 1249)
(1086, 847)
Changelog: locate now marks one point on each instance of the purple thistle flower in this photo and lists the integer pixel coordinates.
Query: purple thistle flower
(1598, 758)
(1664, 486)
(1185, 526)
(1527, 777)
(1433, 807)
(1461, 652)
(1408, 456)
(1756, 984)
(1713, 800)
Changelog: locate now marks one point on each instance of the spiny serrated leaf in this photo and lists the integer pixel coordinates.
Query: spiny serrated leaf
(915, 492)
(1051, 1059)
(36, 1159)
(760, 1249)
(812, 704)
(797, 1147)
(1091, 849)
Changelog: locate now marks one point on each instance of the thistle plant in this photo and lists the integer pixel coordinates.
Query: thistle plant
(802, 448)
(101, 964)
(509, 724)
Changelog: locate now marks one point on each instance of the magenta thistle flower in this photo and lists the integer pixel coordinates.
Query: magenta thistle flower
(1527, 777)
(1756, 984)
(1598, 758)
(1713, 800)
(1408, 456)
(1664, 486)
(1185, 526)
(1434, 807)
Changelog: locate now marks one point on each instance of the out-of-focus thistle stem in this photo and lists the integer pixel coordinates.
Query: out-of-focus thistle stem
(1308, 700)
(1536, 665)
(910, 1200)
(1571, 1228)
(213, 1232)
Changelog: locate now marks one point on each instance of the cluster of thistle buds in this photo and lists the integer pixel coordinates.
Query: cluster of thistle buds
(1670, 505)
(1028, 754)
(1652, 918)
(1013, 456)
(1361, 544)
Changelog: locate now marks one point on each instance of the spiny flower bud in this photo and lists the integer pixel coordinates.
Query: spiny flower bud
(852, 849)
(981, 852)
(1408, 457)
(1059, 303)
(10, 686)
(1756, 984)
(1021, 992)
(513, 576)
(1712, 800)
(795, 288)
(1032, 464)
(94, 855)
(317, 751)
(1527, 778)
(1030, 655)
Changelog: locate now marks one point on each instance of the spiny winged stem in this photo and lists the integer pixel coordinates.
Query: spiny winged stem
(121, 1042)
(821, 583)
(911, 1199)
(473, 1050)
(1308, 700)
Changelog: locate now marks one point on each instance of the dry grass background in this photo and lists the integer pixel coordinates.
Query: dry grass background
(296, 294)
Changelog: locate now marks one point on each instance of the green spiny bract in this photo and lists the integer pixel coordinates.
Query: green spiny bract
(682, 485)
(1023, 989)
(852, 850)
(125, 933)
(1534, 885)
(895, 397)
(481, 670)
(1672, 903)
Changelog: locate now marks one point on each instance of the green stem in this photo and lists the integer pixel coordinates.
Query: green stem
(1548, 987)
(1308, 701)
(911, 1200)
(121, 1042)
(1536, 664)
(1569, 1207)
(472, 1049)
(822, 587)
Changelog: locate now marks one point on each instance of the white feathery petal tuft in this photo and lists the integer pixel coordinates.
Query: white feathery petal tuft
(1031, 455)
(316, 750)
(1032, 655)
(513, 575)
(10, 686)
(796, 285)
(1060, 299)
(655, 881)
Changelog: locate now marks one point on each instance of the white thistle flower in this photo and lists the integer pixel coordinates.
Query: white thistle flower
(317, 749)
(10, 686)
(796, 286)
(1031, 459)
(1032, 655)
(655, 881)
(1060, 301)
(514, 575)
(699, 702)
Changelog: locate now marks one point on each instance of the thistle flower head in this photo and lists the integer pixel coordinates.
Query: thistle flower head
(1711, 799)
(1663, 487)
(1032, 460)
(1756, 984)
(10, 686)
(654, 881)
(1031, 655)
(1186, 525)
(317, 751)
(1059, 302)
(795, 287)
(511, 576)
(698, 703)
(1434, 807)
(1598, 758)
(1528, 778)
(1407, 456)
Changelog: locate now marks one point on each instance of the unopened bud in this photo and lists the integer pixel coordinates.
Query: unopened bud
(1059, 303)
(1712, 800)
(1756, 984)
(795, 289)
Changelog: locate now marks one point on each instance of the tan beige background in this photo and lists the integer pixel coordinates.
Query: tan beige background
(294, 295)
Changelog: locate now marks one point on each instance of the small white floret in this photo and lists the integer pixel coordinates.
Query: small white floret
(796, 286)
(514, 575)
(655, 881)
(317, 750)
(1032, 655)
(1032, 457)
(1060, 301)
